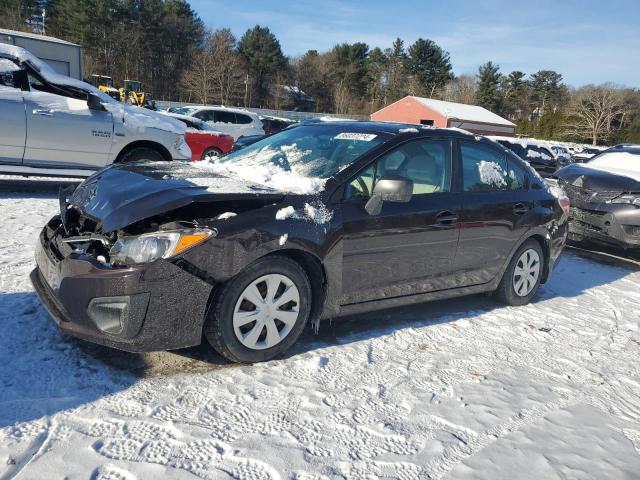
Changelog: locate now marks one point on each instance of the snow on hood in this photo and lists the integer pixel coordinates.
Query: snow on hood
(270, 175)
(134, 117)
(625, 164)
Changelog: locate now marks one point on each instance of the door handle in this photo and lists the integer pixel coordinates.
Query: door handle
(446, 218)
(520, 209)
(43, 111)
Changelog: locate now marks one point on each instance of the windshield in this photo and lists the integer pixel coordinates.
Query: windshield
(299, 159)
(308, 150)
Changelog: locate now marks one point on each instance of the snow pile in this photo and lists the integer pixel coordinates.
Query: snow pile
(203, 132)
(534, 154)
(275, 175)
(7, 65)
(317, 212)
(408, 130)
(226, 215)
(491, 173)
(283, 239)
(286, 212)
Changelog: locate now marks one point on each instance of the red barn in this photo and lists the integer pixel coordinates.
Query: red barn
(426, 111)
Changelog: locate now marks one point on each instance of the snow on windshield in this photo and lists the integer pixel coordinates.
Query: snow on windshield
(300, 159)
(273, 167)
(619, 163)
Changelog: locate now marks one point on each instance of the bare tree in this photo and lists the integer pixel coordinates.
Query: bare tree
(229, 70)
(594, 108)
(461, 89)
(198, 80)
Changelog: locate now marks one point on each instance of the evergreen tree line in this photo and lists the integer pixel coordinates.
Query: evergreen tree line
(164, 44)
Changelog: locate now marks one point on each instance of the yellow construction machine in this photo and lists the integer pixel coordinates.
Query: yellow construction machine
(105, 84)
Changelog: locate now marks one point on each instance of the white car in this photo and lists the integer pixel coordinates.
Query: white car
(51, 124)
(232, 121)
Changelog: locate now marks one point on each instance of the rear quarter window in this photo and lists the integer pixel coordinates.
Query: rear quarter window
(243, 119)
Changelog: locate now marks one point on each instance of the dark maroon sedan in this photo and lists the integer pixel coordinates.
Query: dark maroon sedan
(314, 222)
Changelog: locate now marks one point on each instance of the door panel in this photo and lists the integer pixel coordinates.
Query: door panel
(409, 247)
(13, 126)
(402, 251)
(65, 132)
(494, 212)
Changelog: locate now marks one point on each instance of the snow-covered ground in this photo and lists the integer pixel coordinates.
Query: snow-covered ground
(459, 389)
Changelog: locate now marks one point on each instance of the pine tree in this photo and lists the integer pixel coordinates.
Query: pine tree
(488, 93)
(264, 57)
(429, 65)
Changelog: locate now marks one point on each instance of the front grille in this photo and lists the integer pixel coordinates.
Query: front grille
(583, 195)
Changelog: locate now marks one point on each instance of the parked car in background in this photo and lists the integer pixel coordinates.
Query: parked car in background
(541, 158)
(585, 154)
(246, 140)
(205, 142)
(273, 125)
(51, 124)
(311, 223)
(562, 153)
(605, 197)
(232, 121)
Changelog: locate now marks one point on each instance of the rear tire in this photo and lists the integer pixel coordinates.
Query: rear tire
(211, 154)
(231, 320)
(139, 154)
(521, 280)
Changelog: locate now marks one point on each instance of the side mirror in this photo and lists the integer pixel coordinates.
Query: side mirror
(94, 102)
(392, 188)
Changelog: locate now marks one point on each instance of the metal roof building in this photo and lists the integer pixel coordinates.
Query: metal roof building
(64, 57)
(427, 111)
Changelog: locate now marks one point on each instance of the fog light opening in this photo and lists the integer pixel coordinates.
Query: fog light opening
(109, 314)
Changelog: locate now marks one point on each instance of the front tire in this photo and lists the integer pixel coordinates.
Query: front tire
(521, 280)
(261, 312)
(142, 154)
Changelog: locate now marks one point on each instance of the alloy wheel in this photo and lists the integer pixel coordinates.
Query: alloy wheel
(266, 311)
(526, 273)
(211, 155)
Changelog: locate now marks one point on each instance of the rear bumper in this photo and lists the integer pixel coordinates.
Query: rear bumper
(153, 307)
(620, 228)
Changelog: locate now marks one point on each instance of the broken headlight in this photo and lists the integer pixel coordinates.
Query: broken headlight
(151, 246)
(627, 199)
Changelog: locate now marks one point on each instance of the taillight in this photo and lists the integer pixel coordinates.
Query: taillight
(565, 204)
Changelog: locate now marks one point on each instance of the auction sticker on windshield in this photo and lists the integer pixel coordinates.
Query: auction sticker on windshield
(363, 137)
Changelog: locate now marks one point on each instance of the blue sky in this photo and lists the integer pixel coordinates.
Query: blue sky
(586, 41)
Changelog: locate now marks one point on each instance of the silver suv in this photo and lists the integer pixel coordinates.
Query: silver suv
(51, 124)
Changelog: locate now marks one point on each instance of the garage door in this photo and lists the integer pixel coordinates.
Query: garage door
(60, 67)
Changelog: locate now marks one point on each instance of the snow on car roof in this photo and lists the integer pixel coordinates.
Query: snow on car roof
(461, 111)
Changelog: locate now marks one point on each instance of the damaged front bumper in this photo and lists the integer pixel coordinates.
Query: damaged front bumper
(616, 227)
(158, 306)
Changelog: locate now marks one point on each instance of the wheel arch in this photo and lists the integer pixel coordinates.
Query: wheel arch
(144, 144)
(315, 270)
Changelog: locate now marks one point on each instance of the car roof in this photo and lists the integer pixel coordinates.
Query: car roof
(390, 127)
(630, 148)
(228, 109)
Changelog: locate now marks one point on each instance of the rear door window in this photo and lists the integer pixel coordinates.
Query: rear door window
(7, 70)
(222, 116)
(483, 168)
(205, 115)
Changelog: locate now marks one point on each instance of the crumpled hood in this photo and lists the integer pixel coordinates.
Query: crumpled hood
(122, 194)
(595, 179)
